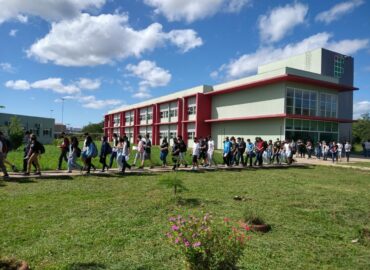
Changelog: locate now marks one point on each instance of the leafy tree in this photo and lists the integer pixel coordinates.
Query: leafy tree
(15, 132)
(94, 128)
(361, 128)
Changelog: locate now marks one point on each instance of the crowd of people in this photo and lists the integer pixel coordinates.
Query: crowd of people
(236, 152)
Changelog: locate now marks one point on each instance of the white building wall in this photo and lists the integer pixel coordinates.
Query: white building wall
(267, 129)
(260, 101)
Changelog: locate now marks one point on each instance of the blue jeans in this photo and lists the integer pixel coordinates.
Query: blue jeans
(113, 156)
(163, 157)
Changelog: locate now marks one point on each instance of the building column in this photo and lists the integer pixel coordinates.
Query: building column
(203, 112)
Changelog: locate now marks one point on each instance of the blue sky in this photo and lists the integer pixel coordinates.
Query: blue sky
(103, 54)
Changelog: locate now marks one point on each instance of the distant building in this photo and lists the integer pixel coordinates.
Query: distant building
(41, 126)
(59, 128)
(307, 96)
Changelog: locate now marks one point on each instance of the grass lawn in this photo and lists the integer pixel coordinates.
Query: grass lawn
(360, 164)
(120, 222)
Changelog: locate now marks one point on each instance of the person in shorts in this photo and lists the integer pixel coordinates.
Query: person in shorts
(196, 151)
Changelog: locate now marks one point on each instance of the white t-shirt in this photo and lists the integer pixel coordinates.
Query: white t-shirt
(196, 149)
(288, 149)
(340, 147)
(211, 146)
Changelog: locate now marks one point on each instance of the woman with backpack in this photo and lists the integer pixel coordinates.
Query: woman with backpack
(36, 149)
(90, 152)
(74, 153)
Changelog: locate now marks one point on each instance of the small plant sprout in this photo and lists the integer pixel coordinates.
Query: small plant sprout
(172, 180)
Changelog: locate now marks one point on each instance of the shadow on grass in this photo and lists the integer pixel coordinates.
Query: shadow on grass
(21, 180)
(86, 266)
(192, 202)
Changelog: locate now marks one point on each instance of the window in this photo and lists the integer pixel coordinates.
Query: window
(192, 110)
(116, 119)
(149, 116)
(45, 132)
(301, 102)
(338, 66)
(173, 113)
(142, 117)
(191, 135)
(328, 105)
(164, 114)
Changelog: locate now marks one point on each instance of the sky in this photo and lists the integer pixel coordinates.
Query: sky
(91, 56)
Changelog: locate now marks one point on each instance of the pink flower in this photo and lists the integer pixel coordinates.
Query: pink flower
(169, 235)
(172, 219)
(187, 244)
(247, 228)
(175, 228)
(196, 244)
(177, 240)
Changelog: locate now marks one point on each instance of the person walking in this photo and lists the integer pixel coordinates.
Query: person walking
(210, 151)
(175, 154)
(105, 150)
(250, 153)
(340, 150)
(140, 154)
(3, 155)
(183, 150)
(227, 152)
(123, 153)
(260, 148)
(203, 148)
(347, 149)
(36, 149)
(148, 151)
(91, 152)
(74, 153)
(309, 148)
(196, 151)
(334, 151)
(64, 147)
(113, 156)
(276, 151)
(164, 152)
(288, 152)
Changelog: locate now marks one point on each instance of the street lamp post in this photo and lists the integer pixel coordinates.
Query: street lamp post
(62, 110)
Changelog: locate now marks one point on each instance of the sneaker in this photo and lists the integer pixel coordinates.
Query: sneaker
(26, 174)
(37, 173)
(69, 172)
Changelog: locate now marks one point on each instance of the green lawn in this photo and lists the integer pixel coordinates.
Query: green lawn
(119, 222)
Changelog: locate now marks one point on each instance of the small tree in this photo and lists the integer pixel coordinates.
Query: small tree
(171, 180)
(361, 129)
(15, 132)
(94, 128)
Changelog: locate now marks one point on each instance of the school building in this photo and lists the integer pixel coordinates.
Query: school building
(42, 127)
(307, 96)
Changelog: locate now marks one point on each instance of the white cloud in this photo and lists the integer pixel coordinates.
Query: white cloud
(18, 85)
(360, 108)
(95, 40)
(7, 67)
(51, 10)
(281, 21)
(13, 32)
(89, 84)
(56, 85)
(151, 76)
(338, 10)
(91, 102)
(248, 63)
(192, 10)
(185, 39)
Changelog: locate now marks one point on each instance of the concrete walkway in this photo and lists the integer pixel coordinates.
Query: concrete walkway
(301, 163)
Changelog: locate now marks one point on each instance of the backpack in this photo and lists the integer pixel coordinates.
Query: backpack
(94, 152)
(7, 145)
(78, 152)
(148, 145)
(41, 148)
(183, 147)
(108, 149)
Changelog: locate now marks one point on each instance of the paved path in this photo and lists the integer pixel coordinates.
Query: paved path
(301, 162)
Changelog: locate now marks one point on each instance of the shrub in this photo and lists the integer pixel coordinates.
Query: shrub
(252, 218)
(207, 244)
(15, 131)
(171, 180)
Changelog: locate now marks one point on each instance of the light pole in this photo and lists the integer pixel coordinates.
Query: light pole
(62, 110)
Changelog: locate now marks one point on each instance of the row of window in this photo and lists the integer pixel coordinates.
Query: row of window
(311, 125)
(310, 103)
